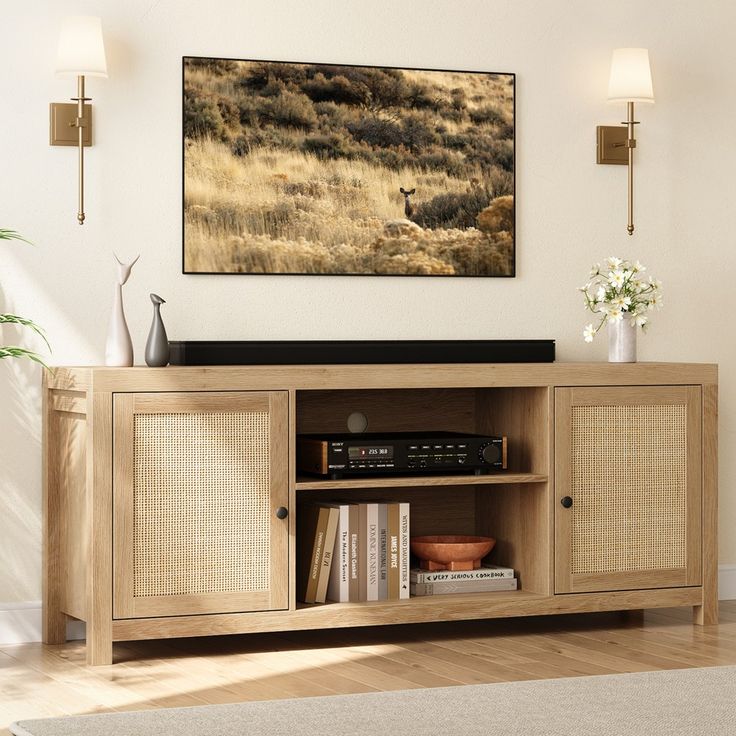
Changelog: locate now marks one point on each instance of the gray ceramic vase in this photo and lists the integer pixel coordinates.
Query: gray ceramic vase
(157, 345)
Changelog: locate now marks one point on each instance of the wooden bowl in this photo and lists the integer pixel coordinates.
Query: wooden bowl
(451, 551)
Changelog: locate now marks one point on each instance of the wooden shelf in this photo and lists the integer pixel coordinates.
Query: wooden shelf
(415, 610)
(306, 483)
(424, 602)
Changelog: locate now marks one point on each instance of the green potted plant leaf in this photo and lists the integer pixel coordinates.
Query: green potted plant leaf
(13, 351)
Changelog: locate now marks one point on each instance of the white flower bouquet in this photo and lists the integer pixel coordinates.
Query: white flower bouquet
(620, 293)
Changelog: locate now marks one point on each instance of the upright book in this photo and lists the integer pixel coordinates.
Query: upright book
(316, 540)
(382, 551)
(369, 551)
(325, 564)
(354, 551)
(404, 552)
(311, 529)
(338, 588)
(394, 516)
(398, 550)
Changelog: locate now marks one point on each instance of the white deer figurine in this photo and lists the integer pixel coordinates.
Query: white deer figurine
(119, 346)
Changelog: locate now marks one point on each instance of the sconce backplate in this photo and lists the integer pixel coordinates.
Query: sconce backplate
(611, 148)
(61, 124)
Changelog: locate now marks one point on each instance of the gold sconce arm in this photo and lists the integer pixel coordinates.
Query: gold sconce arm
(80, 123)
(630, 146)
(71, 125)
(616, 146)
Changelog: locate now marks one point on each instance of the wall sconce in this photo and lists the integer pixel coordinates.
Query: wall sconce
(81, 53)
(630, 82)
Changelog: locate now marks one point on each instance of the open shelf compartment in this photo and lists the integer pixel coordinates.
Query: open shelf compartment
(522, 414)
(518, 516)
(513, 505)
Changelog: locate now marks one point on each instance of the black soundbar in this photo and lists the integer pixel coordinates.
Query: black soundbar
(347, 352)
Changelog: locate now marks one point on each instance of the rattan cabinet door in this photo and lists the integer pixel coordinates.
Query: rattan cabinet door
(627, 488)
(197, 480)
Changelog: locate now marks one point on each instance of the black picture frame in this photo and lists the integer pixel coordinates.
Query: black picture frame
(513, 258)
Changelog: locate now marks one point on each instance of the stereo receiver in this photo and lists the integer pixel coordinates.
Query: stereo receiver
(336, 455)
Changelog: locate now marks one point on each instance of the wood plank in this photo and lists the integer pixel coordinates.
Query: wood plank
(694, 488)
(305, 483)
(54, 621)
(122, 506)
(278, 441)
(68, 378)
(563, 487)
(74, 547)
(71, 402)
(460, 375)
(707, 612)
(291, 439)
(415, 610)
(99, 528)
(198, 402)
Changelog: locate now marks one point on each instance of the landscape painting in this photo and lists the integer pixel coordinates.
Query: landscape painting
(347, 170)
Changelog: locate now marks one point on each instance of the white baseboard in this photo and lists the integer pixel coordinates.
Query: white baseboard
(727, 582)
(21, 622)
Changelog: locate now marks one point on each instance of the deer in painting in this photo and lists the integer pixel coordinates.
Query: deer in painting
(408, 206)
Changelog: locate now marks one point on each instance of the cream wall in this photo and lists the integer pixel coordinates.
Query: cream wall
(570, 211)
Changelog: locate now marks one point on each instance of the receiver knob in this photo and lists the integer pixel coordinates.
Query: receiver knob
(490, 454)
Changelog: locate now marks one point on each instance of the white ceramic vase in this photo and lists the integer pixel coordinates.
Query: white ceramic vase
(119, 346)
(622, 341)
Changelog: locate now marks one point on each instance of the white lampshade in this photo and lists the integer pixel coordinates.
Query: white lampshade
(631, 77)
(81, 48)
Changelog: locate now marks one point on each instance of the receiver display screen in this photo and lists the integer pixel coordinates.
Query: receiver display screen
(370, 452)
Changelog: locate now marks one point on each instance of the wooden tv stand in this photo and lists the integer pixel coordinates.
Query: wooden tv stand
(161, 487)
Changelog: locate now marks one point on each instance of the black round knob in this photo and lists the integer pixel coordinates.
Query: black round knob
(282, 512)
(566, 501)
(491, 454)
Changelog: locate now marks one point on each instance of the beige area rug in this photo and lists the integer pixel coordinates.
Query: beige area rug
(674, 702)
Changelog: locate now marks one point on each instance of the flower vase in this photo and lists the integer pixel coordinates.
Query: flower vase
(621, 341)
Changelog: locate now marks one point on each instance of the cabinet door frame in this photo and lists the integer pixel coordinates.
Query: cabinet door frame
(691, 574)
(125, 407)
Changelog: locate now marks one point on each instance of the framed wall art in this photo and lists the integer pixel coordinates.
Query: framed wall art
(347, 170)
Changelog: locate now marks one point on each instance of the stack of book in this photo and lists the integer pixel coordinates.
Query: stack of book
(484, 579)
(353, 552)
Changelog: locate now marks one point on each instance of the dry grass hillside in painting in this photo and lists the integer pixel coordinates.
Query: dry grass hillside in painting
(298, 168)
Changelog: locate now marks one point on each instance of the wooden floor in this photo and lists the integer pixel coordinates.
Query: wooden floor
(38, 681)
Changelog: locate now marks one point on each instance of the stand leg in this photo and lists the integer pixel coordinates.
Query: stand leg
(54, 621)
(99, 500)
(99, 644)
(707, 614)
